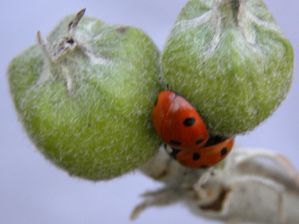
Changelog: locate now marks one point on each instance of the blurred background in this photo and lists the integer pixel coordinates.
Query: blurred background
(33, 191)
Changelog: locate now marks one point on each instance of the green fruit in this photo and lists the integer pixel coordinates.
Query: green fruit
(230, 60)
(85, 97)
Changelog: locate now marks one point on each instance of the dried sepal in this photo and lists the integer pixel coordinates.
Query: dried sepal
(253, 186)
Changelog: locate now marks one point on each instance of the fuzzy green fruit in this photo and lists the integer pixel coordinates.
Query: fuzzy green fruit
(230, 60)
(85, 97)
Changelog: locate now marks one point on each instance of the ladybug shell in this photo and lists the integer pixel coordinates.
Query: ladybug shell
(177, 122)
(203, 157)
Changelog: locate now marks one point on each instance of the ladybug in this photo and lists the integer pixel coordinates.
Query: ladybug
(181, 127)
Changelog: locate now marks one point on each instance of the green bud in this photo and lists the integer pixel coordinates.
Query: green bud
(230, 60)
(86, 94)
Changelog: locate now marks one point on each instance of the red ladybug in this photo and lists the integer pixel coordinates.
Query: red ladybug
(180, 126)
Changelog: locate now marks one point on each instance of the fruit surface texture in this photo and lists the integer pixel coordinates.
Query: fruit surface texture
(230, 60)
(85, 96)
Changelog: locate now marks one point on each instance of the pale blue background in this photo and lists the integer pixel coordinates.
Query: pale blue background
(32, 191)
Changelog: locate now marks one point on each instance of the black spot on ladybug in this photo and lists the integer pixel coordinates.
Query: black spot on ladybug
(174, 152)
(199, 141)
(175, 142)
(189, 121)
(196, 156)
(204, 166)
(223, 152)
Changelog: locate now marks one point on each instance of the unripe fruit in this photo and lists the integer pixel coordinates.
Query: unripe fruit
(85, 96)
(230, 60)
